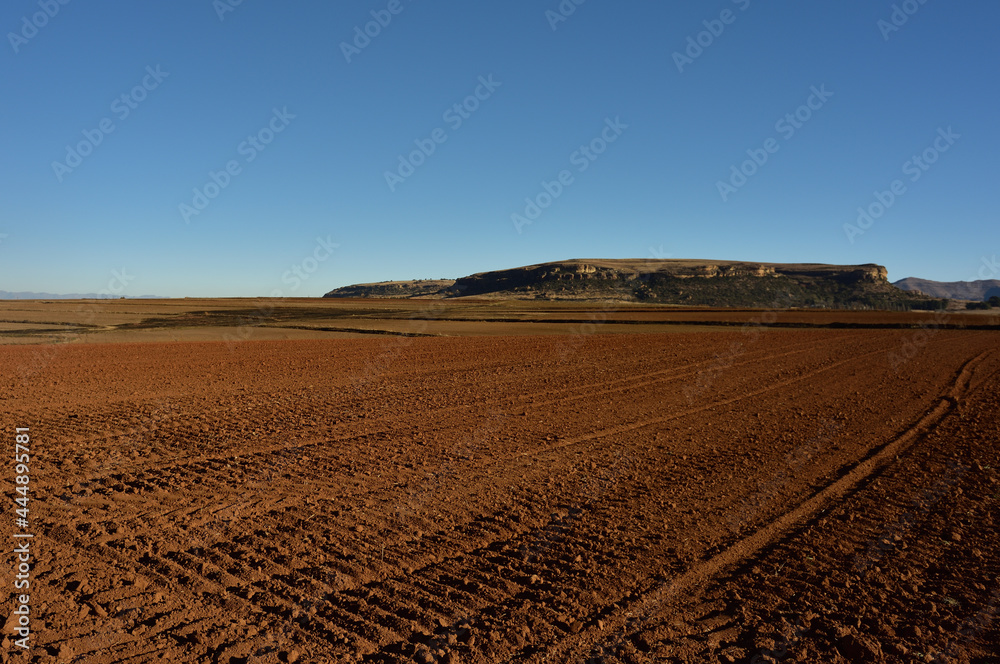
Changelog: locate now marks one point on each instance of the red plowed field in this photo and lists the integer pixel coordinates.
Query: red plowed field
(786, 495)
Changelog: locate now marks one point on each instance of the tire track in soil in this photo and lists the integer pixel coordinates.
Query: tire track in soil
(268, 508)
(625, 428)
(281, 572)
(643, 603)
(389, 614)
(900, 604)
(109, 591)
(462, 579)
(471, 563)
(209, 417)
(197, 467)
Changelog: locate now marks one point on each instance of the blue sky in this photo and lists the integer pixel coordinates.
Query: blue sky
(200, 79)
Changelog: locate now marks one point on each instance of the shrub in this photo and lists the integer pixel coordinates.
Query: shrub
(929, 305)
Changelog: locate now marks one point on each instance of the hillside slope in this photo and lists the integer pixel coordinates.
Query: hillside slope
(955, 290)
(395, 289)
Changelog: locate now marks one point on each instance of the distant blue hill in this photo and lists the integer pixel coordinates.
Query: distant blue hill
(7, 295)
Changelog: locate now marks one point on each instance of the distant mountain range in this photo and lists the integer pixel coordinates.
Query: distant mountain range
(953, 290)
(7, 295)
(669, 281)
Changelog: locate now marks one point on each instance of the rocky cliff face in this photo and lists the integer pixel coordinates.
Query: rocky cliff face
(692, 282)
(613, 276)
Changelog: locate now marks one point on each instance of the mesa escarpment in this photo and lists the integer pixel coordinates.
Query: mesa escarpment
(594, 271)
(676, 281)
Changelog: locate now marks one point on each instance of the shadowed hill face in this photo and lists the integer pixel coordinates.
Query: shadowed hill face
(395, 289)
(668, 281)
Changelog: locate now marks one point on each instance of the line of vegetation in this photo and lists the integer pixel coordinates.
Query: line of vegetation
(992, 303)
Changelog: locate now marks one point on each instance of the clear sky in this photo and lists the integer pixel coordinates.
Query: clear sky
(114, 113)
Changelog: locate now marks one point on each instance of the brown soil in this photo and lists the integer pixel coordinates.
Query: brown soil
(799, 495)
